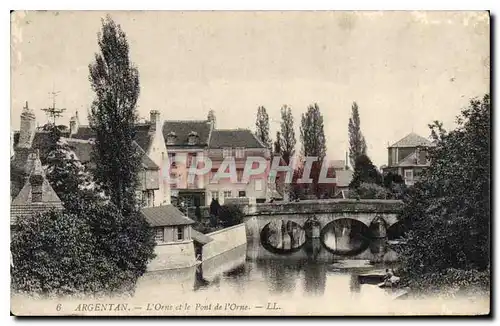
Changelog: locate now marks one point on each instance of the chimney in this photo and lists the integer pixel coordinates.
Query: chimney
(36, 178)
(154, 118)
(28, 127)
(74, 124)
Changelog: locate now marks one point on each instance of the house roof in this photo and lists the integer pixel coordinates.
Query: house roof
(41, 141)
(412, 140)
(143, 136)
(166, 215)
(234, 138)
(182, 129)
(83, 150)
(200, 237)
(344, 177)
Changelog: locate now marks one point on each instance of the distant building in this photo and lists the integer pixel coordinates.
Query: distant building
(155, 189)
(185, 140)
(237, 144)
(173, 236)
(408, 157)
(31, 192)
(344, 178)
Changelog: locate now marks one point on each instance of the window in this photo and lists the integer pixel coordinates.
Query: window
(258, 185)
(215, 194)
(171, 138)
(159, 235)
(227, 194)
(193, 138)
(409, 174)
(227, 152)
(242, 193)
(239, 152)
(180, 233)
(171, 159)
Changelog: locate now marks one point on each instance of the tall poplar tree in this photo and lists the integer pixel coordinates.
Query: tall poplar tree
(287, 139)
(262, 127)
(313, 139)
(115, 82)
(120, 228)
(357, 144)
(312, 133)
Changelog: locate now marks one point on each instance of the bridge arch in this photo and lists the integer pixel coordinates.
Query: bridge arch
(345, 236)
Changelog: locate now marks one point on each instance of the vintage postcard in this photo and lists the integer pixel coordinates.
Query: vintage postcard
(250, 163)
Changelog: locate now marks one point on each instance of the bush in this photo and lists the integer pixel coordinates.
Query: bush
(369, 191)
(56, 252)
(230, 215)
(92, 249)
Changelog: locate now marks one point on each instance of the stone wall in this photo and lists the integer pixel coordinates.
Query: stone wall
(173, 255)
(224, 240)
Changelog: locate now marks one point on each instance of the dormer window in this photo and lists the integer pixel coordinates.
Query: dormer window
(193, 138)
(171, 138)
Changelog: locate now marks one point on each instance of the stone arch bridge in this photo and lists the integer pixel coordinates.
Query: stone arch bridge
(376, 214)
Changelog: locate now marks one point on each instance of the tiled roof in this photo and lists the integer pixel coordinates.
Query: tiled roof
(41, 141)
(142, 135)
(200, 237)
(18, 211)
(234, 138)
(166, 215)
(48, 195)
(410, 160)
(83, 151)
(344, 177)
(412, 140)
(182, 129)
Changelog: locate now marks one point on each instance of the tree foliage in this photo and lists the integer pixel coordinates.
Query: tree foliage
(448, 211)
(365, 172)
(357, 143)
(115, 82)
(312, 133)
(230, 215)
(57, 253)
(369, 191)
(287, 139)
(262, 127)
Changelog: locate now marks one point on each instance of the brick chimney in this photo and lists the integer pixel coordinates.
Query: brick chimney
(36, 178)
(154, 118)
(28, 127)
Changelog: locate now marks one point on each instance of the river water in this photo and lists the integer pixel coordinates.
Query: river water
(257, 279)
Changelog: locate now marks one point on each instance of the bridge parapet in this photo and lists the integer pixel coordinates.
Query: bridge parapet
(328, 206)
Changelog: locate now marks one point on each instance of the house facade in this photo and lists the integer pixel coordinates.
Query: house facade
(237, 145)
(173, 236)
(408, 157)
(186, 141)
(154, 189)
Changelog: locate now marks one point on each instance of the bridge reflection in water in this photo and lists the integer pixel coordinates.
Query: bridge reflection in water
(305, 269)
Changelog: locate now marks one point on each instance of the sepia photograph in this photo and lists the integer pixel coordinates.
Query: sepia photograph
(250, 163)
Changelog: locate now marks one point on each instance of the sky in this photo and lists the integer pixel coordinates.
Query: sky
(403, 69)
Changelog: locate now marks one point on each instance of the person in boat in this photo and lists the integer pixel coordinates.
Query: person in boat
(387, 278)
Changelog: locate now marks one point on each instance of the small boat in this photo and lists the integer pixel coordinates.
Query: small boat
(390, 283)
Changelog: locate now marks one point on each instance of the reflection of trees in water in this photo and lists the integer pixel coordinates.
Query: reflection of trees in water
(345, 235)
(280, 275)
(314, 279)
(284, 235)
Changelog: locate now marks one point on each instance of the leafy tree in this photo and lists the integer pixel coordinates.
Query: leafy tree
(357, 143)
(230, 215)
(115, 82)
(364, 172)
(313, 139)
(448, 211)
(262, 127)
(287, 139)
(56, 253)
(369, 191)
(277, 144)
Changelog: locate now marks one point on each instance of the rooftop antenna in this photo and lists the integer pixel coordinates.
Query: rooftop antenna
(53, 112)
